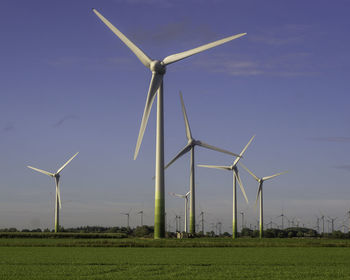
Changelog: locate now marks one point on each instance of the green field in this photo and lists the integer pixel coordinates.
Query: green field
(45, 259)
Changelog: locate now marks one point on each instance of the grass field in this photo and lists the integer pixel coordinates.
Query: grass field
(20, 260)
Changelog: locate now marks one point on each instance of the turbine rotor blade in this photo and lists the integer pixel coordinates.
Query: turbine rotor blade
(272, 176)
(136, 50)
(188, 130)
(180, 154)
(244, 149)
(64, 165)
(178, 195)
(179, 56)
(250, 172)
(240, 184)
(41, 171)
(258, 193)
(156, 81)
(215, 166)
(205, 145)
(58, 192)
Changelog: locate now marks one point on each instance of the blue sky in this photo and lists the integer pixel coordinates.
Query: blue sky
(68, 84)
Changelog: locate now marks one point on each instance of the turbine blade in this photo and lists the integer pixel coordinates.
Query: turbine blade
(250, 172)
(64, 165)
(258, 193)
(58, 192)
(137, 51)
(41, 171)
(154, 85)
(244, 149)
(205, 145)
(215, 166)
(176, 57)
(180, 154)
(178, 195)
(188, 130)
(272, 176)
(241, 185)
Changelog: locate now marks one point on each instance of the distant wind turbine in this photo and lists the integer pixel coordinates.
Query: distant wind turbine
(56, 176)
(260, 194)
(185, 196)
(141, 213)
(189, 147)
(236, 176)
(128, 216)
(158, 69)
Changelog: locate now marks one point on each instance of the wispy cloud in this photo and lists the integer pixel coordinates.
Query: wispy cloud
(345, 167)
(8, 128)
(282, 35)
(287, 65)
(64, 119)
(338, 139)
(86, 62)
(183, 30)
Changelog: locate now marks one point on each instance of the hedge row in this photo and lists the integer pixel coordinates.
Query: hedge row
(61, 235)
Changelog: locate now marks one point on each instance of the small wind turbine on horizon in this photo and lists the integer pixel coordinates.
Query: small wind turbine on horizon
(158, 69)
(128, 216)
(185, 196)
(141, 213)
(56, 176)
(259, 195)
(236, 176)
(189, 147)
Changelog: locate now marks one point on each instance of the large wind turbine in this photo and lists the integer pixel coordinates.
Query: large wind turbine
(185, 196)
(260, 195)
(158, 69)
(236, 176)
(56, 176)
(191, 143)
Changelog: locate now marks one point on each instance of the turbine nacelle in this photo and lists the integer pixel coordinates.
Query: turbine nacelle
(158, 67)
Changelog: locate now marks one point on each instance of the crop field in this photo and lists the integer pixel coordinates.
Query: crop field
(27, 259)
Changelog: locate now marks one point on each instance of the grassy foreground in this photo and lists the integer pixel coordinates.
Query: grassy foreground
(174, 263)
(172, 243)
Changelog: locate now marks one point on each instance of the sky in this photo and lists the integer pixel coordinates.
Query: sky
(68, 84)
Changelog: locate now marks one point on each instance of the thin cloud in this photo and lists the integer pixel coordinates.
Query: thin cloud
(345, 167)
(181, 31)
(64, 119)
(282, 35)
(8, 128)
(340, 139)
(287, 65)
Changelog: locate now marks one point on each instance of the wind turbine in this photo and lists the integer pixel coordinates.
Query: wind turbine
(141, 212)
(189, 147)
(158, 69)
(260, 194)
(185, 196)
(56, 176)
(128, 215)
(236, 176)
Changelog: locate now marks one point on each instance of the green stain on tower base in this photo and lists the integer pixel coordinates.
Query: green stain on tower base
(192, 225)
(159, 219)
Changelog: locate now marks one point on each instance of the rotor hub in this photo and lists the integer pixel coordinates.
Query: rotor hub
(157, 67)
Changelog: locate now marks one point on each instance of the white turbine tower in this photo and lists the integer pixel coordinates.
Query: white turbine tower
(260, 195)
(185, 196)
(56, 176)
(191, 143)
(158, 69)
(236, 176)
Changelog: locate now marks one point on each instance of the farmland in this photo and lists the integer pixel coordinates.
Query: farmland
(174, 259)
